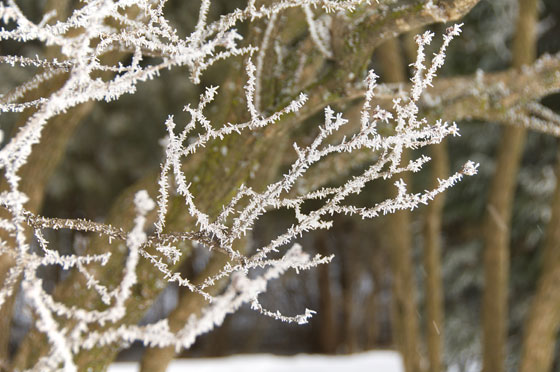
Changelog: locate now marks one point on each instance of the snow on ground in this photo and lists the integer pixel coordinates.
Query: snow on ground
(373, 361)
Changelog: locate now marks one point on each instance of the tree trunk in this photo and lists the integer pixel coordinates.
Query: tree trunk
(378, 264)
(432, 261)
(327, 315)
(434, 293)
(405, 311)
(498, 210)
(348, 270)
(158, 359)
(543, 323)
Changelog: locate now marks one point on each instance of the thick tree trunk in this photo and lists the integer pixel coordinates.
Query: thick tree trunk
(158, 359)
(499, 207)
(405, 308)
(543, 323)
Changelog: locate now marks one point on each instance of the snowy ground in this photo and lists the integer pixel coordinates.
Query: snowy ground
(373, 361)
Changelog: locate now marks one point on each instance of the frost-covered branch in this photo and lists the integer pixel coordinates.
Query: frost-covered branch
(71, 329)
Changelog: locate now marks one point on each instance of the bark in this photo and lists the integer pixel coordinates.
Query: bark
(434, 310)
(499, 207)
(543, 323)
(327, 315)
(400, 240)
(405, 311)
(158, 359)
(378, 330)
(348, 273)
(432, 260)
(218, 175)
(373, 305)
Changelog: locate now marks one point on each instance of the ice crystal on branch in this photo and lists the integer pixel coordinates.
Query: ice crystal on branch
(147, 33)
